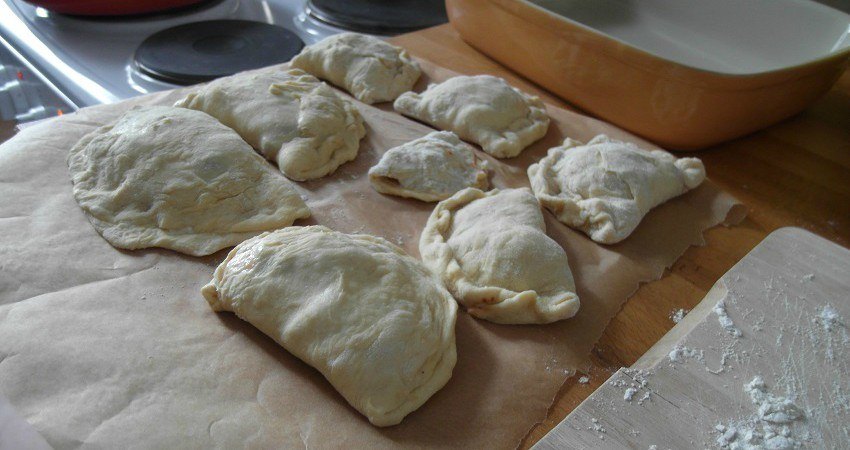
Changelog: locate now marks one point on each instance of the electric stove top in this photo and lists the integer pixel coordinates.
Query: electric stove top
(370, 16)
(201, 51)
(88, 61)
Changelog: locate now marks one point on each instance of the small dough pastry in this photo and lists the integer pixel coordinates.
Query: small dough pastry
(430, 168)
(367, 316)
(482, 109)
(178, 179)
(605, 187)
(492, 252)
(369, 68)
(290, 117)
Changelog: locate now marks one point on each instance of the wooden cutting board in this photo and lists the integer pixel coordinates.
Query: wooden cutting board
(789, 298)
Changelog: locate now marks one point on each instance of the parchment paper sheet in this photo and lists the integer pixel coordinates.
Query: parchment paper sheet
(102, 348)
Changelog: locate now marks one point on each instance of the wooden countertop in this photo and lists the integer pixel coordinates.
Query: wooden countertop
(795, 173)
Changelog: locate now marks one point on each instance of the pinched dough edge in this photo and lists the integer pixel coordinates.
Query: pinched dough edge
(506, 143)
(386, 184)
(491, 303)
(354, 76)
(594, 216)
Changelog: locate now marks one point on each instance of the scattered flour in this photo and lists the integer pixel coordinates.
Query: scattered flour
(829, 332)
(678, 314)
(638, 385)
(584, 380)
(597, 427)
(728, 352)
(725, 320)
(771, 408)
(767, 428)
(681, 354)
(829, 318)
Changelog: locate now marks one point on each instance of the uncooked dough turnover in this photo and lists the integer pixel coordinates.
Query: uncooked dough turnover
(492, 251)
(369, 68)
(482, 109)
(290, 117)
(370, 318)
(430, 168)
(605, 187)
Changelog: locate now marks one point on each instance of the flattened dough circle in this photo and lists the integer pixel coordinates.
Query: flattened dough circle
(178, 179)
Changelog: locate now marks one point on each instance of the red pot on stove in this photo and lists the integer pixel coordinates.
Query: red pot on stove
(110, 7)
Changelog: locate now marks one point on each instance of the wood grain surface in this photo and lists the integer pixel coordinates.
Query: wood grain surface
(795, 173)
(775, 295)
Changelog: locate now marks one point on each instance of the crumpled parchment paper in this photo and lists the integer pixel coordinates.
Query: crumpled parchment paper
(104, 348)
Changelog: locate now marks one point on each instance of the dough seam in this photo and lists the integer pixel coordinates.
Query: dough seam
(439, 257)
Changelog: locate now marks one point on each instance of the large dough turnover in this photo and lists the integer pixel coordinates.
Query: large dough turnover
(290, 117)
(492, 252)
(367, 316)
(178, 179)
(430, 168)
(371, 69)
(482, 109)
(605, 187)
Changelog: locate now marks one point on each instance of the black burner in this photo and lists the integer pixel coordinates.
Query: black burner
(379, 16)
(201, 51)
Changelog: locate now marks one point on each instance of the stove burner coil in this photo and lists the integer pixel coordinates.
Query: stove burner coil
(385, 17)
(202, 51)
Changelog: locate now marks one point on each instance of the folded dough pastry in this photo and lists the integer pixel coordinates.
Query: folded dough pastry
(371, 69)
(430, 168)
(605, 187)
(178, 179)
(492, 252)
(367, 316)
(290, 117)
(482, 109)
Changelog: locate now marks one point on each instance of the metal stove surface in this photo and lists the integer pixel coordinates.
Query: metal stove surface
(89, 61)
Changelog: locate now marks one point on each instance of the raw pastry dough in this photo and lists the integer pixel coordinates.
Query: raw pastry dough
(430, 168)
(178, 179)
(492, 252)
(289, 116)
(371, 69)
(605, 187)
(367, 316)
(482, 109)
